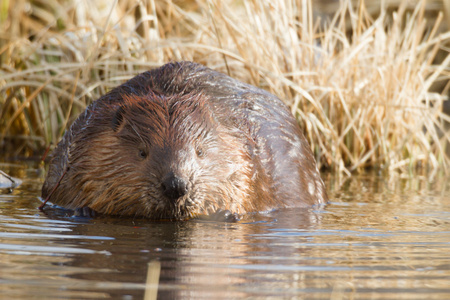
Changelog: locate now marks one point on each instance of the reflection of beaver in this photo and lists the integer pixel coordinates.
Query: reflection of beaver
(182, 141)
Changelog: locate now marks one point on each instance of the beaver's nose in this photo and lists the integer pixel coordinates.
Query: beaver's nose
(173, 186)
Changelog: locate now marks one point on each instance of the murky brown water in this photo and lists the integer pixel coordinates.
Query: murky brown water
(380, 238)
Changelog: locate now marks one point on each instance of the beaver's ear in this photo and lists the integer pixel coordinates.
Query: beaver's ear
(117, 120)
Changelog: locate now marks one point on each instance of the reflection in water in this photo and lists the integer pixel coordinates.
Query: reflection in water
(198, 258)
(381, 237)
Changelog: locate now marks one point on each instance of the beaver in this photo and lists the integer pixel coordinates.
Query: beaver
(182, 141)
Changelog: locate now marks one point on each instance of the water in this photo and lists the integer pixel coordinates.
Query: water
(382, 237)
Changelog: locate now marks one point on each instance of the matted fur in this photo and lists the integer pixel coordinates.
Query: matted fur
(237, 148)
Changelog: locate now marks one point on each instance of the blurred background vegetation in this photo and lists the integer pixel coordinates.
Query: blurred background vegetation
(367, 80)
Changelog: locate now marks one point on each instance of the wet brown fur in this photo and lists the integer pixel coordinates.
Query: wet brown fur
(237, 147)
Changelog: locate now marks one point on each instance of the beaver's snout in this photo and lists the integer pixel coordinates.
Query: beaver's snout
(173, 186)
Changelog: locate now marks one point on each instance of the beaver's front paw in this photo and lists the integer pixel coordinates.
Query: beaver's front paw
(85, 212)
(224, 215)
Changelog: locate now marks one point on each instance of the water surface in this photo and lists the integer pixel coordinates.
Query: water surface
(381, 237)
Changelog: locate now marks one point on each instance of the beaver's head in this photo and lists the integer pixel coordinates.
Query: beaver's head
(162, 158)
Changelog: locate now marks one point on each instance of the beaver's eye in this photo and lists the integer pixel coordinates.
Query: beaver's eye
(142, 153)
(200, 152)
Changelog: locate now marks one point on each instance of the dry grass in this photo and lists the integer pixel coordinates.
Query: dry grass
(361, 87)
